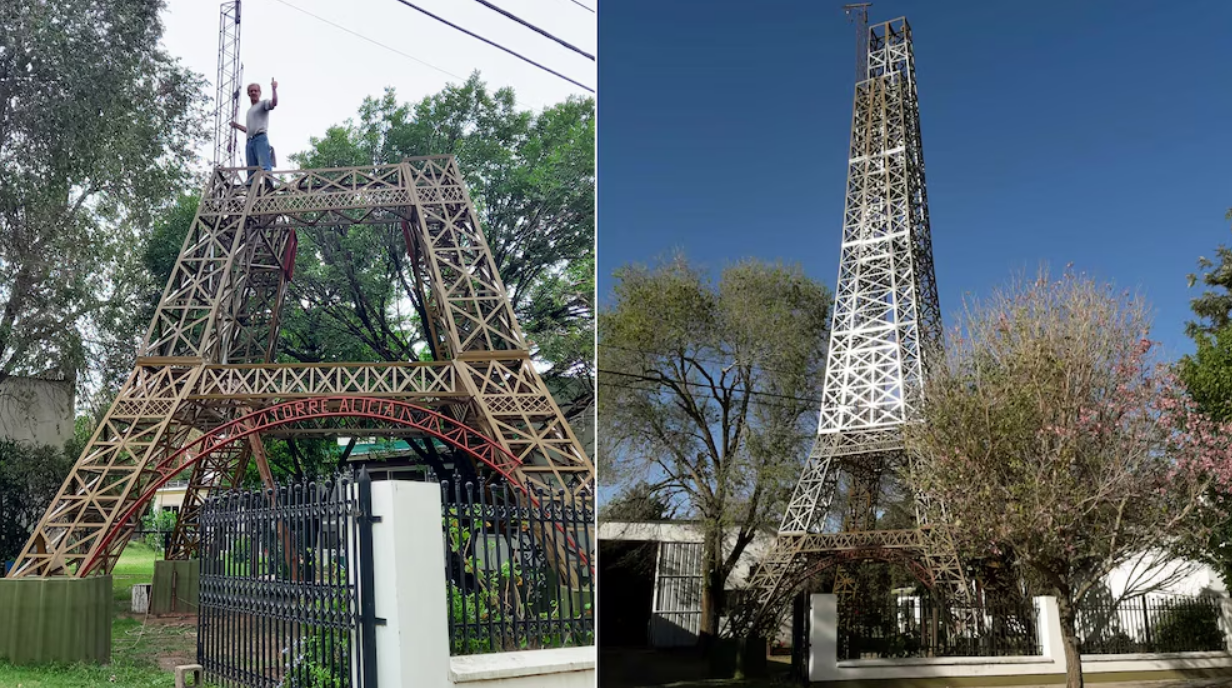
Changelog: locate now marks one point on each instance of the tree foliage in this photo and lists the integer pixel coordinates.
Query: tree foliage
(1049, 432)
(706, 390)
(531, 177)
(30, 476)
(97, 124)
(1207, 374)
(1213, 307)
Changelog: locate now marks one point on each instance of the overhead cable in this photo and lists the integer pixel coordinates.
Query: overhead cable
(472, 34)
(359, 35)
(534, 28)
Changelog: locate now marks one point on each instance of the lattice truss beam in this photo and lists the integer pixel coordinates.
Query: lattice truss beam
(205, 360)
(886, 328)
(230, 72)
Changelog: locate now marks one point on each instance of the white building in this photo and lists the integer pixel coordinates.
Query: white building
(38, 410)
(671, 585)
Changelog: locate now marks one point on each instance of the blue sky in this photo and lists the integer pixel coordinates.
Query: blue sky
(1093, 132)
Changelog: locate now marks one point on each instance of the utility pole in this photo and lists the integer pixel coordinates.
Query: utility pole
(858, 12)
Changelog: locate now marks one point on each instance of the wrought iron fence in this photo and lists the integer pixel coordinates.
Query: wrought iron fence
(1150, 624)
(919, 626)
(519, 574)
(283, 575)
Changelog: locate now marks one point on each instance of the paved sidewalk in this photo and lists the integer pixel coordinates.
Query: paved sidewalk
(1171, 683)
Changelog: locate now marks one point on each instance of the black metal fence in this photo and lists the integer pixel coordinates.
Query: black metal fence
(281, 589)
(1150, 624)
(920, 626)
(519, 575)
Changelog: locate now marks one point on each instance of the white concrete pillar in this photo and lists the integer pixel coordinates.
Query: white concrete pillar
(1225, 621)
(1051, 641)
(412, 648)
(823, 638)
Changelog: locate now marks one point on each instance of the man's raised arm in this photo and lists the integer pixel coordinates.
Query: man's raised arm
(274, 99)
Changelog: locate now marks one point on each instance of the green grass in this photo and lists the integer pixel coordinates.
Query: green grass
(135, 644)
(136, 565)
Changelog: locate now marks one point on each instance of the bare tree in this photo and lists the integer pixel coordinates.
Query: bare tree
(1048, 431)
(705, 391)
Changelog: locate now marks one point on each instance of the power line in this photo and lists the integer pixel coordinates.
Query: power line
(495, 45)
(534, 28)
(359, 35)
(703, 359)
(767, 403)
(688, 383)
(582, 6)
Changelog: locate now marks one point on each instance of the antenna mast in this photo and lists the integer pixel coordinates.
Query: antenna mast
(858, 12)
(230, 72)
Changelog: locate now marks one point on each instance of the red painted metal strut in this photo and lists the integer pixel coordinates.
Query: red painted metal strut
(442, 427)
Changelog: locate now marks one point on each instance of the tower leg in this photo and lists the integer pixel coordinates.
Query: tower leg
(222, 470)
(109, 475)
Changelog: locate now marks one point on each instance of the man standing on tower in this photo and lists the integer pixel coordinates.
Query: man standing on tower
(257, 151)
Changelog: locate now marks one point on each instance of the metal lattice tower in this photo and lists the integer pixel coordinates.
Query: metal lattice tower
(886, 327)
(204, 373)
(230, 72)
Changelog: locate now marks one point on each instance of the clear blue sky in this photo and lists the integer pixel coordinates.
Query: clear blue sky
(1093, 132)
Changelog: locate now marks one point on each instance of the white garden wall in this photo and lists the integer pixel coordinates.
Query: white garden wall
(824, 666)
(413, 643)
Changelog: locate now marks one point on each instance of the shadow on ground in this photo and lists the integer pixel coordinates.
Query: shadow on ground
(638, 668)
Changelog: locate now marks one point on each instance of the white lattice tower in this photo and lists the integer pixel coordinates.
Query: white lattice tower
(886, 325)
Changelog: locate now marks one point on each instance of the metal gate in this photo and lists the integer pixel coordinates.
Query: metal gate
(676, 611)
(286, 581)
(801, 632)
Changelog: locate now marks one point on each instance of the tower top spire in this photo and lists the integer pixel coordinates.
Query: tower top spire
(858, 12)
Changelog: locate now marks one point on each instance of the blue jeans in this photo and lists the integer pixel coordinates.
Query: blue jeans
(257, 152)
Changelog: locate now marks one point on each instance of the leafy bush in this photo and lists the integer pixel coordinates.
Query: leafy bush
(30, 476)
(1190, 626)
(505, 609)
(157, 525)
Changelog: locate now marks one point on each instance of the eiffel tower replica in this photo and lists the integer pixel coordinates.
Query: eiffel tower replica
(205, 389)
(886, 330)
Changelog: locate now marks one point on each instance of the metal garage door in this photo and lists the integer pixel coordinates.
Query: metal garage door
(675, 619)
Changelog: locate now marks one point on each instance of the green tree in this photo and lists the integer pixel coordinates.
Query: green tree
(1213, 307)
(30, 476)
(531, 177)
(1048, 432)
(706, 397)
(1207, 374)
(97, 124)
(639, 501)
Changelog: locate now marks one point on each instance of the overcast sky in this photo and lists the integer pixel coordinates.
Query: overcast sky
(324, 72)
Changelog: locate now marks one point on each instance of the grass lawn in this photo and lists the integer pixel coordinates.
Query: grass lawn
(138, 644)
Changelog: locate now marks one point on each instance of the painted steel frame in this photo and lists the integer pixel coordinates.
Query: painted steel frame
(885, 330)
(205, 360)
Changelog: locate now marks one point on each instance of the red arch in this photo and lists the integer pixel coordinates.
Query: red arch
(442, 427)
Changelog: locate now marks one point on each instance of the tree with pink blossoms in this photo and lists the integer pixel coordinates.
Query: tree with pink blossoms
(1049, 429)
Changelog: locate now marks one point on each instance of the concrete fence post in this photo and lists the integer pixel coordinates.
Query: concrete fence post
(412, 647)
(823, 638)
(1225, 621)
(1052, 643)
